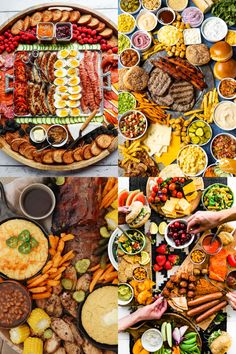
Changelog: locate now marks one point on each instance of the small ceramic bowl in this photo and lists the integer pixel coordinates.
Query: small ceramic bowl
(123, 302)
(162, 10)
(144, 48)
(131, 12)
(141, 13)
(219, 92)
(154, 11)
(134, 51)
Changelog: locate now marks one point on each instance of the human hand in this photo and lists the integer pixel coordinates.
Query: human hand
(153, 311)
(202, 221)
(232, 299)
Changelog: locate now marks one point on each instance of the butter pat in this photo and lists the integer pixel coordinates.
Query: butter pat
(204, 5)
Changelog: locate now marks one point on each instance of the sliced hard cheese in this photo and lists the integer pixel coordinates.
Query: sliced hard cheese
(204, 5)
(170, 205)
(191, 197)
(171, 154)
(158, 137)
(183, 204)
(189, 188)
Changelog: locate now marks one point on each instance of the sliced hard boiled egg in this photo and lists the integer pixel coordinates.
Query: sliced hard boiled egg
(74, 81)
(73, 63)
(60, 72)
(75, 112)
(60, 63)
(74, 53)
(62, 112)
(62, 54)
(74, 90)
(62, 89)
(73, 103)
(60, 103)
(72, 72)
(60, 81)
(75, 97)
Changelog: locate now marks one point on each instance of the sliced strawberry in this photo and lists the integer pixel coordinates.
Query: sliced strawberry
(173, 258)
(157, 267)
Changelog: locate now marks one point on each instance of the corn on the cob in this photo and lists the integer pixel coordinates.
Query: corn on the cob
(33, 346)
(19, 334)
(39, 321)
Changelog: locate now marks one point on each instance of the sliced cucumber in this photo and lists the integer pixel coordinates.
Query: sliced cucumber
(82, 265)
(49, 120)
(79, 296)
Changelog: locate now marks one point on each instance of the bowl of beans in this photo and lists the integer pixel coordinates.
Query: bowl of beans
(223, 146)
(15, 304)
(129, 57)
(133, 125)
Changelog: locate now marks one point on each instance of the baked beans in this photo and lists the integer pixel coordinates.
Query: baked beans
(14, 304)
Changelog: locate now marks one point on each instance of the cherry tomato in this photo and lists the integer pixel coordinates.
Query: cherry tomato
(150, 200)
(182, 180)
(174, 193)
(155, 188)
(157, 200)
(179, 195)
(153, 194)
(164, 198)
(159, 180)
(164, 190)
(172, 186)
(175, 179)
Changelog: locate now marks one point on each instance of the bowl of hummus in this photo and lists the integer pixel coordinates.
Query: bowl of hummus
(23, 248)
(98, 317)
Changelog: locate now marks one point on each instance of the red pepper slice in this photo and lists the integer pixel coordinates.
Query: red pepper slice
(232, 260)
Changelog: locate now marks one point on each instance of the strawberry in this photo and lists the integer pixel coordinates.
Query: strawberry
(168, 265)
(173, 258)
(160, 259)
(157, 268)
(162, 249)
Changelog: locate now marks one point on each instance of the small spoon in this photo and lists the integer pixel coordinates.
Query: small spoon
(126, 234)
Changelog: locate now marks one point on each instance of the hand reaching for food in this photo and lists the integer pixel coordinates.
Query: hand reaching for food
(207, 220)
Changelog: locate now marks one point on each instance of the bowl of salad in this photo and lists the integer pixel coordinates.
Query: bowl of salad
(134, 244)
(217, 197)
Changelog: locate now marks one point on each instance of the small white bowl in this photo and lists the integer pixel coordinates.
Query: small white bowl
(32, 134)
(215, 165)
(196, 9)
(220, 103)
(146, 345)
(153, 11)
(200, 172)
(154, 17)
(223, 133)
(171, 242)
(133, 12)
(125, 303)
(206, 124)
(131, 31)
(180, 10)
(112, 246)
(141, 49)
(122, 34)
(125, 114)
(223, 32)
(165, 9)
(218, 89)
(128, 67)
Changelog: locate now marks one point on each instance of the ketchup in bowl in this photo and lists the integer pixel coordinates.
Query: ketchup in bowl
(210, 247)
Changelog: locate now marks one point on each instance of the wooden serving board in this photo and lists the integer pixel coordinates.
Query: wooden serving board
(188, 266)
(194, 203)
(3, 144)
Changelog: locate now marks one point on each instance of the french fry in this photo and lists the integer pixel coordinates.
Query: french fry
(58, 277)
(33, 279)
(115, 281)
(44, 295)
(94, 268)
(57, 258)
(53, 240)
(69, 255)
(52, 251)
(110, 196)
(40, 289)
(47, 267)
(95, 280)
(38, 281)
(59, 271)
(110, 183)
(53, 282)
(68, 237)
(110, 276)
(52, 270)
(61, 245)
(107, 272)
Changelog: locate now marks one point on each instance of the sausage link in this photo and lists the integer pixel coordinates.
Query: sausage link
(210, 312)
(202, 308)
(205, 298)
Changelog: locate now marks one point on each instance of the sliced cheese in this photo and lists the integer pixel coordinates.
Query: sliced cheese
(189, 188)
(191, 197)
(169, 206)
(184, 204)
(158, 137)
(171, 154)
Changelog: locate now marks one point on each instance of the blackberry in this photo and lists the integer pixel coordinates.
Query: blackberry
(21, 132)
(110, 126)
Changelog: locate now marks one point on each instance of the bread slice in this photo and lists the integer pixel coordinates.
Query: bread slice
(95, 149)
(106, 33)
(74, 16)
(37, 156)
(47, 157)
(57, 156)
(103, 141)
(101, 27)
(47, 16)
(65, 16)
(94, 23)
(56, 15)
(84, 20)
(22, 147)
(16, 143)
(26, 23)
(78, 156)
(28, 152)
(68, 157)
(17, 27)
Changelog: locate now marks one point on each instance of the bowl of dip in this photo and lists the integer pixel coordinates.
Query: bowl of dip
(151, 5)
(123, 42)
(218, 146)
(141, 40)
(192, 160)
(57, 135)
(146, 21)
(225, 115)
(227, 88)
(126, 23)
(129, 57)
(38, 134)
(168, 35)
(177, 5)
(152, 340)
(193, 16)
(214, 29)
(210, 247)
(130, 6)
(125, 294)
(165, 16)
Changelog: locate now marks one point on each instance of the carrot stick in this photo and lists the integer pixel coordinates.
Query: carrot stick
(107, 272)
(95, 280)
(45, 295)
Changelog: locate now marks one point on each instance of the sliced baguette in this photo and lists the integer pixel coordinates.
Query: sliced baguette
(74, 16)
(68, 157)
(22, 147)
(56, 15)
(37, 156)
(35, 18)
(95, 149)
(87, 152)
(47, 16)
(26, 23)
(101, 27)
(84, 20)
(94, 23)
(103, 141)
(17, 27)
(28, 152)
(57, 156)
(107, 33)
(78, 154)
(47, 157)
(65, 16)
(16, 143)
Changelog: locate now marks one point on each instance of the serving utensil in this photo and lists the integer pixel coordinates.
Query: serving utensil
(126, 233)
(84, 125)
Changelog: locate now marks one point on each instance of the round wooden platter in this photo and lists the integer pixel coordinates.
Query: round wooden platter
(194, 203)
(3, 144)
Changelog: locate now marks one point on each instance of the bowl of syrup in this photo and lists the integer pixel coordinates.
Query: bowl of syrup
(37, 201)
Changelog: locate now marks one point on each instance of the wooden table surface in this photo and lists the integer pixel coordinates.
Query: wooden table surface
(10, 167)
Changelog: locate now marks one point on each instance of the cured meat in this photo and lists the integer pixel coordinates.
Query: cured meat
(43, 66)
(78, 203)
(43, 95)
(50, 67)
(50, 99)
(218, 266)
